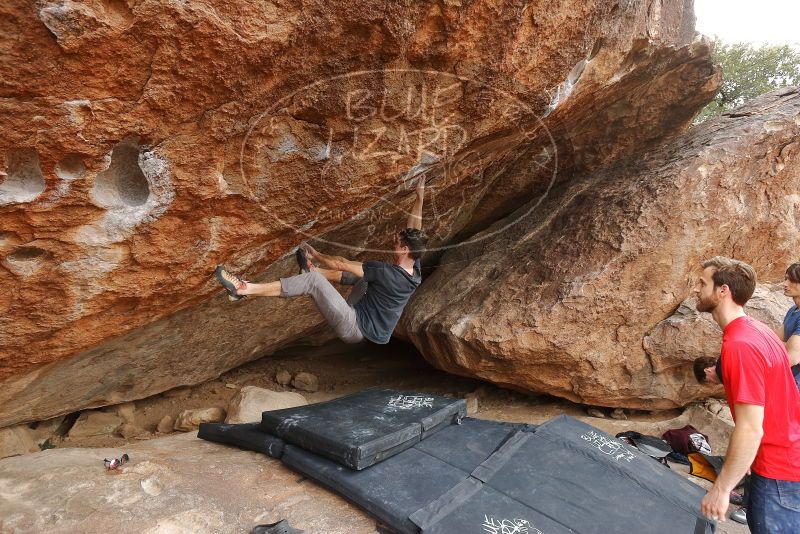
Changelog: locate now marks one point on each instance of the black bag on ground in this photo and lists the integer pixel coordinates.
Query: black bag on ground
(245, 436)
(364, 428)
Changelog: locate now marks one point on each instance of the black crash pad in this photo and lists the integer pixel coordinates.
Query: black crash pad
(483, 476)
(568, 477)
(245, 436)
(364, 428)
(394, 489)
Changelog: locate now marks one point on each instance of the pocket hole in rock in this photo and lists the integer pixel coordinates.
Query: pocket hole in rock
(24, 261)
(71, 168)
(123, 183)
(24, 181)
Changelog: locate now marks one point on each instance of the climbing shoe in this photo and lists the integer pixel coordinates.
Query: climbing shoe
(230, 282)
(302, 261)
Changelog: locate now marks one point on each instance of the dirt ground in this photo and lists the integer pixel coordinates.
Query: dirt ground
(342, 370)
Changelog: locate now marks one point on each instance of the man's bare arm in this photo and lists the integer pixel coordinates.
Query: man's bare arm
(342, 264)
(331, 275)
(742, 450)
(337, 263)
(415, 217)
(793, 348)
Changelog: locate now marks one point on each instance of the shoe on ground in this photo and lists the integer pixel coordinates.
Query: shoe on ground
(230, 282)
(740, 516)
(736, 498)
(281, 527)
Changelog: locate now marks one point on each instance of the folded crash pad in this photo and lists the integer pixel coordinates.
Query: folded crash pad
(245, 436)
(394, 489)
(362, 429)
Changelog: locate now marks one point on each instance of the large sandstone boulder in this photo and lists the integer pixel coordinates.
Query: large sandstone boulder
(571, 290)
(651, 95)
(145, 143)
(176, 484)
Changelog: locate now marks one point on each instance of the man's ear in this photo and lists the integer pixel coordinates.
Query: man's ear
(724, 290)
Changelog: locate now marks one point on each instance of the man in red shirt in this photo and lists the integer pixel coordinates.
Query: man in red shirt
(764, 401)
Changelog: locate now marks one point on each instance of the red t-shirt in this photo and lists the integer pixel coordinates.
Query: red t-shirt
(755, 370)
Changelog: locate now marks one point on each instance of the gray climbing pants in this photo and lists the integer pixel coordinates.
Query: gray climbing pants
(333, 307)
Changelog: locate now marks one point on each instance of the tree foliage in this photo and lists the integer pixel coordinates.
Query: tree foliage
(749, 71)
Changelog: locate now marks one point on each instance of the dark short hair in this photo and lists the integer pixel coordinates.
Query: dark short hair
(415, 240)
(793, 273)
(737, 275)
(700, 365)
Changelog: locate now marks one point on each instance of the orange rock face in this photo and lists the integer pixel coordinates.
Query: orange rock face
(144, 143)
(569, 293)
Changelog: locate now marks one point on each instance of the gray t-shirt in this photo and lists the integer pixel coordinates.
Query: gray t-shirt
(388, 289)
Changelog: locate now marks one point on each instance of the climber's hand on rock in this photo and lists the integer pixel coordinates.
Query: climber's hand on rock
(311, 252)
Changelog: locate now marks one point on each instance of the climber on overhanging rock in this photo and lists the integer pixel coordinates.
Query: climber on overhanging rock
(382, 289)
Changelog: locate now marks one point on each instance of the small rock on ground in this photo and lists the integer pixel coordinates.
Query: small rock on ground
(166, 424)
(247, 405)
(306, 382)
(619, 413)
(191, 419)
(284, 378)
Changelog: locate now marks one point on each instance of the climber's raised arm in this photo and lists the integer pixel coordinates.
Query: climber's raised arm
(415, 217)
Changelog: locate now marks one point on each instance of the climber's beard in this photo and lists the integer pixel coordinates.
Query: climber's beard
(707, 304)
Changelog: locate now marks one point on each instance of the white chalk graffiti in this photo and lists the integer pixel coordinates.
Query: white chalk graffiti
(508, 526)
(611, 447)
(407, 402)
